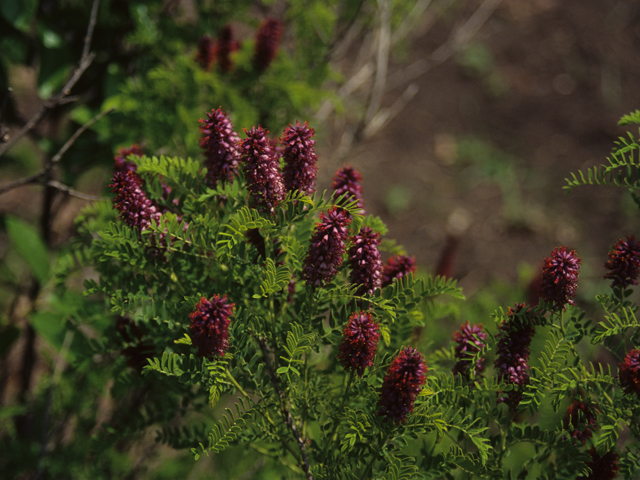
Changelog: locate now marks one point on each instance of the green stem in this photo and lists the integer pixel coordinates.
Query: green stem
(369, 469)
(345, 393)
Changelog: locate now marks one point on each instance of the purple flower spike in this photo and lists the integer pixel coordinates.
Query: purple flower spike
(135, 208)
(624, 263)
(560, 277)
(581, 419)
(365, 261)
(602, 467)
(347, 181)
(267, 43)
(401, 385)
(469, 340)
(121, 162)
(210, 326)
(359, 343)
(261, 170)
(220, 144)
(300, 158)
(629, 372)
(324, 257)
(397, 267)
(226, 45)
(512, 363)
(206, 52)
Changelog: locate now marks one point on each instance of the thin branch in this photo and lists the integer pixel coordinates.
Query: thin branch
(288, 418)
(74, 137)
(382, 60)
(62, 97)
(71, 192)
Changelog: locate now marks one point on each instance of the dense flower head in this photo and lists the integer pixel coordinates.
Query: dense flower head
(581, 420)
(206, 52)
(135, 208)
(401, 385)
(603, 467)
(346, 181)
(324, 256)
(225, 46)
(138, 351)
(210, 325)
(120, 158)
(397, 267)
(624, 263)
(261, 170)
(629, 372)
(469, 340)
(220, 144)
(365, 261)
(512, 361)
(560, 277)
(359, 343)
(267, 43)
(300, 158)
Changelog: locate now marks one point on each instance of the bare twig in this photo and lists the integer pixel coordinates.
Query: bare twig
(287, 414)
(71, 192)
(382, 60)
(62, 97)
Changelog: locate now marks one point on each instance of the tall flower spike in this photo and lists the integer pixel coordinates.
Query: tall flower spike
(581, 419)
(206, 52)
(135, 208)
(225, 46)
(469, 340)
(324, 256)
(602, 467)
(220, 144)
(560, 277)
(300, 158)
(261, 170)
(629, 372)
(120, 159)
(624, 263)
(401, 385)
(267, 43)
(365, 261)
(210, 325)
(347, 181)
(359, 343)
(512, 361)
(397, 267)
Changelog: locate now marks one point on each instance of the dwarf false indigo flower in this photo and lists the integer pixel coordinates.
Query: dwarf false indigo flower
(346, 182)
(512, 362)
(324, 256)
(365, 261)
(359, 343)
(267, 43)
(210, 326)
(469, 340)
(261, 170)
(581, 419)
(397, 267)
(121, 162)
(225, 46)
(629, 372)
(300, 158)
(602, 467)
(624, 263)
(138, 351)
(206, 52)
(135, 208)
(560, 277)
(220, 144)
(401, 385)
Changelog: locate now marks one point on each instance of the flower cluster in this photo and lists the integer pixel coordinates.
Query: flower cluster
(220, 144)
(324, 256)
(346, 182)
(120, 159)
(624, 263)
(300, 159)
(261, 170)
(560, 277)
(602, 467)
(512, 361)
(397, 267)
(581, 419)
(225, 46)
(267, 43)
(401, 385)
(359, 343)
(206, 53)
(138, 351)
(135, 208)
(210, 326)
(365, 261)
(629, 372)
(469, 340)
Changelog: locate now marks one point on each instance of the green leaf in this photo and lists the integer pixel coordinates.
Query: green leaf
(30, 246)
(19, 13)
